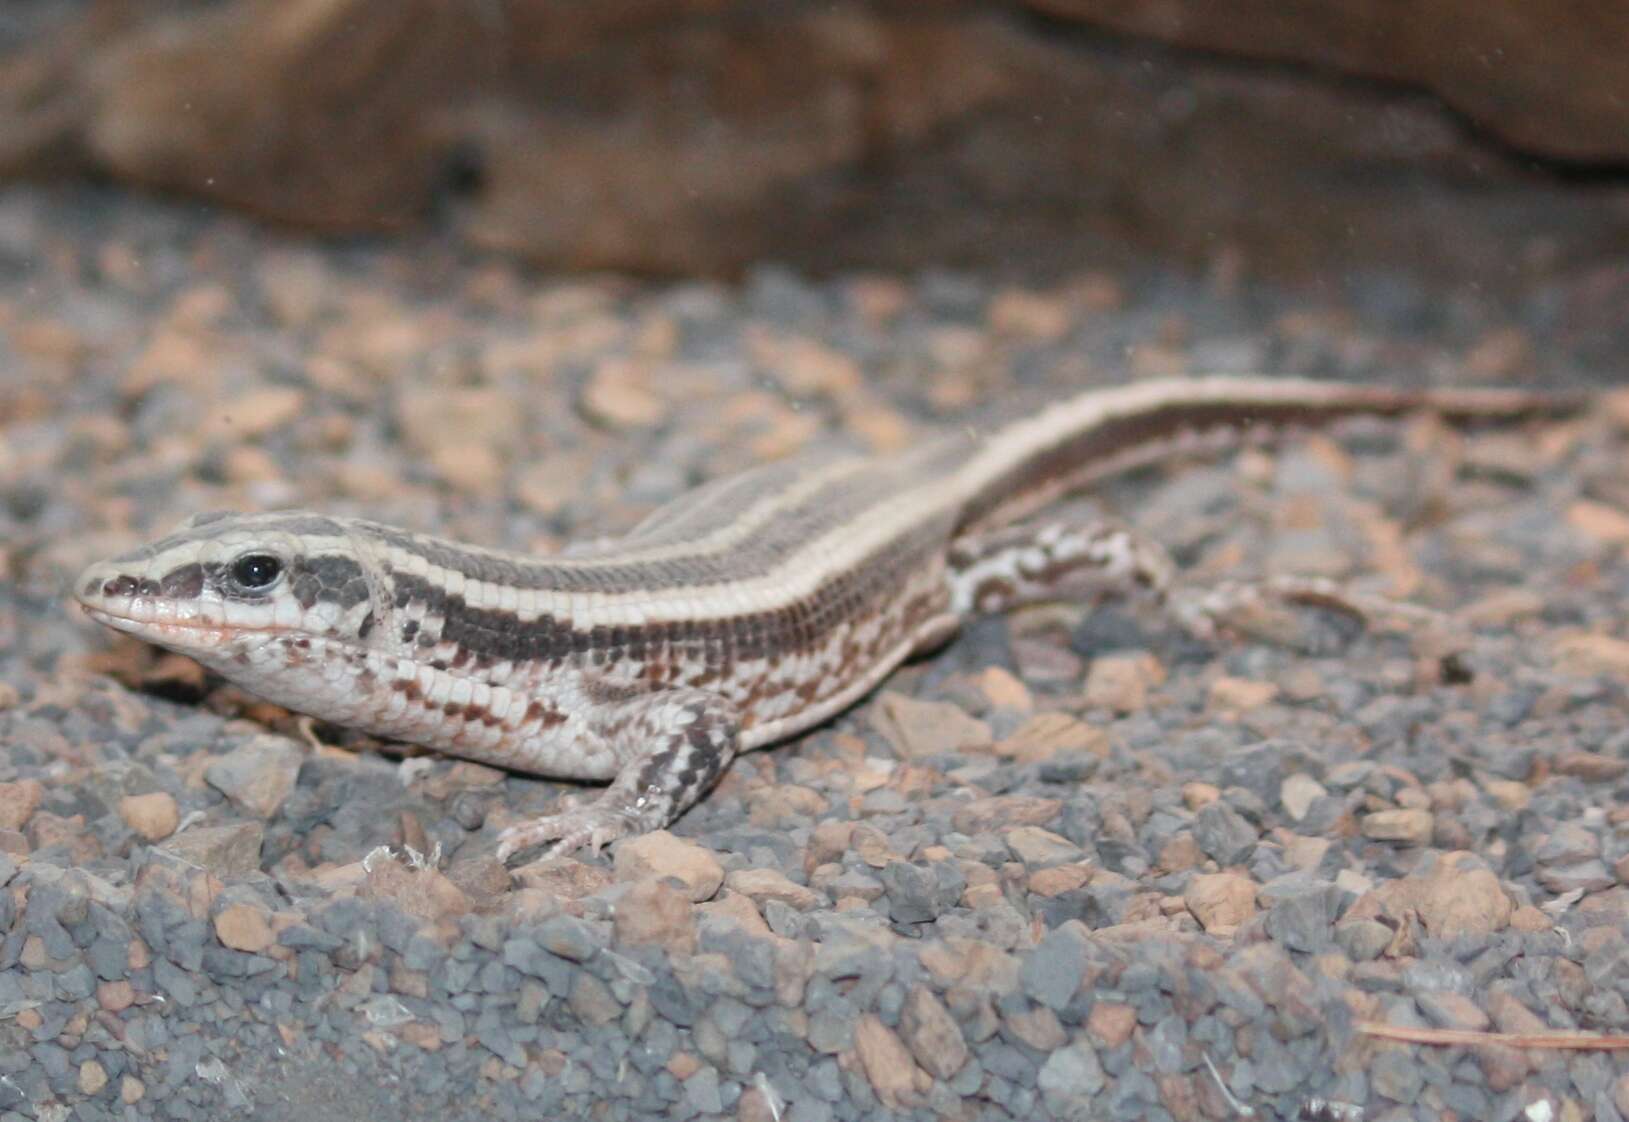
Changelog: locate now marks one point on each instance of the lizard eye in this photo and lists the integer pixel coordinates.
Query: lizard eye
(256, 570)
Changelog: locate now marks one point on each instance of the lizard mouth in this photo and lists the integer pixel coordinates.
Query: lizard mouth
(164, 632)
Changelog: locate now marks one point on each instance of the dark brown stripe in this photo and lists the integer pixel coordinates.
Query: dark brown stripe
(491, 636)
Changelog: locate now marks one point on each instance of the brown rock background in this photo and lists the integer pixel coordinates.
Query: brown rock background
(1480, 142)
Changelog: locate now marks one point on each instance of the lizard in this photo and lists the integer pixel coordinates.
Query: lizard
(746, 611)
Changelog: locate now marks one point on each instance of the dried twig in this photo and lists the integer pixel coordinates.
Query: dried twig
(1577, 1041)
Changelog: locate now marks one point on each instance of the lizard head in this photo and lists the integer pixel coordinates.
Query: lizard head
(223, 586)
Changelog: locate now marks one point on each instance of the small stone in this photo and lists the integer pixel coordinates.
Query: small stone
(1196, 795)
(1530, 920)
(1224, 834)
(592, 1001)
(701, 1092)
(254, 414)
(998, 811)
(1057, 880)
(1297, 794)
(764, 885)
(1363, 940)
(18, 802)
(661, 854)
(153, 816)
(470, 468)
(435, 417)
(226, 851)
(1462, 897)
(1121, 682)
(1306, 854)
(1407, 827)
(1180, 853)
(654, 913)
(1585, 656)
(115, 996)
(244, 927)
(1110, 1023)
(131, 1090)
(424, 893)
(1241, 694)
(1053, 970)
(1074, 1072)
(921, 893)
(621, 394)
(92, 1077)
(932, 1034)
(1048, 735)
(1221, 901)
(1567, 844)
(259, 775)
(1037, 1027)
(886, 1061)
(1037, 847)
(571, 938)
(1004, 690)
(1585, 876)
(1511, 1016)
(1599, 522)
(1591, 767)
(784, 804)
(1451, 1010)
(917, 729)
(1394, 1074)
(1029, 315)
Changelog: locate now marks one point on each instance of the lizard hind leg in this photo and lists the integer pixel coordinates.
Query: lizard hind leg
(1054, 561)
(672, 745)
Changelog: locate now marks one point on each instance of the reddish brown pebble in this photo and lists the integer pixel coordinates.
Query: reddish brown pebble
(654, 913)
(153, 816)
(887, 1063)
(243, 927)
(661, 854)
(1110, 1023)
(983, 815)
(1405, 827)
(1121, 682)
(763, 885)
(916, 728)
(115, 996)
(932, 1034)
(1003, 690)
(18, 801)
(1221, 901)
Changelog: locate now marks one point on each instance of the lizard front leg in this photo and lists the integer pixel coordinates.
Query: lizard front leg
(671, 745)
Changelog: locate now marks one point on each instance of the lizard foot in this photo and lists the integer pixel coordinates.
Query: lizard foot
(595, 826)
(1263, 609)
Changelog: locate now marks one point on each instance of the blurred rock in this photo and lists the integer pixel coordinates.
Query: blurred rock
(700, 135)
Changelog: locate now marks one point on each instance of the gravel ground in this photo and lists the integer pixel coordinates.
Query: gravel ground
(1074, 866)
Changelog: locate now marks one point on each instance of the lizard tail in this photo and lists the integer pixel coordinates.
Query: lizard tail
(1023, 465)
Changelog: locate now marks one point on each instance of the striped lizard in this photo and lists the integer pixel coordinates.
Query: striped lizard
(744, 612)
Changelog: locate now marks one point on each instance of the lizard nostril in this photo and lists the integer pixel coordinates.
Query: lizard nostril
(124, 585)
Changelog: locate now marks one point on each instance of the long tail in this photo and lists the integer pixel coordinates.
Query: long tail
(1022, 465)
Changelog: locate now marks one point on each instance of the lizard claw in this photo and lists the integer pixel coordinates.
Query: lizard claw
(594, 826)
